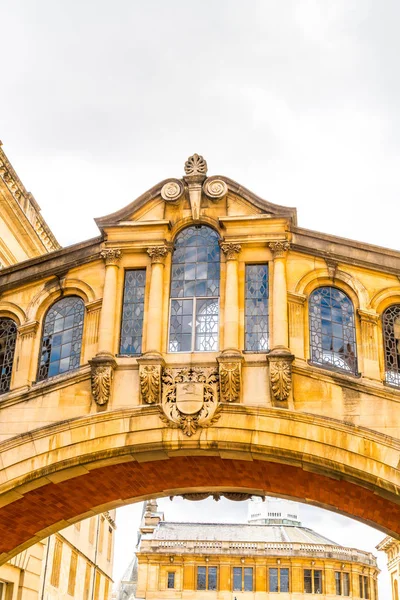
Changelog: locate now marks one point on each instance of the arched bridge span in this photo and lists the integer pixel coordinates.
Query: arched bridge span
(58, 474)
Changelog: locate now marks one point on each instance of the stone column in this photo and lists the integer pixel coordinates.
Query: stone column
(154, 315)
(230, 360)
(280, 359)
(23, 372)
(103, 364)
(369, 344)
(151, 364)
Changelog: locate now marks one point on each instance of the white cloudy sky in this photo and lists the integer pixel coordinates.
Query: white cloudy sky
(298, 100)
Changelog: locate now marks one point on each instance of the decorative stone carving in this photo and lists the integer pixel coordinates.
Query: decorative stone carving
(28, 330)
(280, 368)
(158, 254)
(230, 381)
(196, 165)
(231, 250)
(190, 398)
(235, 496)
(215, 188)
(279, 248)
(172, 191)
(151, 366)
(111, 256)
(102, 372)
(150, 383)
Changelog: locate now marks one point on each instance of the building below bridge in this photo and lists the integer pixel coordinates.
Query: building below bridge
(392, 549)
(74, 564)
(272, 553)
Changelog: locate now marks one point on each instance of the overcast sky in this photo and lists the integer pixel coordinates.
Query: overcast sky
(296, 100)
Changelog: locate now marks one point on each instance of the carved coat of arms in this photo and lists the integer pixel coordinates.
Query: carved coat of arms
(190, 398)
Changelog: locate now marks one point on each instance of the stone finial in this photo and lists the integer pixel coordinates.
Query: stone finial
(195, 165)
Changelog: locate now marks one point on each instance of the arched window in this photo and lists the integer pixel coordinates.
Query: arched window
(332, 329)
(391, 336)
(62, 337)
(8, 338)
(194, 291)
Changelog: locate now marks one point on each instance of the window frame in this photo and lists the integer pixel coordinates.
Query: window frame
(14, 337)
(308, 337)
(243, 588)
(279, 569)
(341, 580)
(172, 573)
(387, 371)
(207, 588)
(313, 571)
(195, 299)
(120, 353)
(255, 264)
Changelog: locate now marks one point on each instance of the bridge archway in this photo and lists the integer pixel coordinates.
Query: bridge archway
(59, 474)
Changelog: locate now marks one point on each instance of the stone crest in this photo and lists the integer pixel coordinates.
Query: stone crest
(190, 398)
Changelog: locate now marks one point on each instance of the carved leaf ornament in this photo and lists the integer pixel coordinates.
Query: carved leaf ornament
(230, 381)
(190, 398)
(150, 383)
(281, 379)
(101, 383)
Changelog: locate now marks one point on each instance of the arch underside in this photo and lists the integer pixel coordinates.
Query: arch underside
(84, 466)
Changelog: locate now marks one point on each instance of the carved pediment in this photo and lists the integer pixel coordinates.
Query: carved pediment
(194, 196)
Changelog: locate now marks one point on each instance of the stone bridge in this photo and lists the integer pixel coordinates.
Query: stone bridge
(204, 342)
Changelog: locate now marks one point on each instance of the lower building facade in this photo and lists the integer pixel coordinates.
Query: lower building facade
(253, 561)
(392, 549)
(75, 563)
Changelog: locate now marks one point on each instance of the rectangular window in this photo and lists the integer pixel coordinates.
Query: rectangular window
(242, 579)
(278, 580)
(201, 578)
(92, 526)
(97, 586)
(256, 308)
(206, 578)
(88, 574)
(312, 581)
(72, 573)
(3, 586)
(346, 584)
(101, 534)
(110, 543)
(106, 589)
(171, 580)
(248, 579)
(55, 571)
(132, 312)
(364, 588)
(237, 579)
(212, 578)
(338, 583)
(273, 580)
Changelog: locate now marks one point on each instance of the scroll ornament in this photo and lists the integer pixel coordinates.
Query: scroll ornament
(101, 383)
(172, 191)
(230, 376)
(150, 376)
(215, 188)
(190, 398)
(281, 379)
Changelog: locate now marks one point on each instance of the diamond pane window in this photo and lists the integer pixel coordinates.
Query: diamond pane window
(256, 308)
(132, 312)
(62, 338)
(194, 311)
(391, 336)
(8, 338)
(332, 330)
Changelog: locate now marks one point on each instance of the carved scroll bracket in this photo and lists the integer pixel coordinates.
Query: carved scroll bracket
(230, 375)
(102, 368)
(280, 372)
(151, 367)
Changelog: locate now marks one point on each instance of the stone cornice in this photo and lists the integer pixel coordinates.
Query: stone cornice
(27, 203)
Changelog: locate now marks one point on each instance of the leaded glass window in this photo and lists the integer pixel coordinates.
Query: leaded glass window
(8, 338)
(256, 308)
(391, 335)
(62, 337)
(194, 311)
(132, 312)
(332, 330)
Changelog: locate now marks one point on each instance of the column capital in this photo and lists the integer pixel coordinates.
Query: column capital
(158, 254)
(279, 248)
(231, 250)
(368, 316)
(28, 329)
(111, 256)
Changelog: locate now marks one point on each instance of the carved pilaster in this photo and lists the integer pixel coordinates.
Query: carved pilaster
(111, 256)
(231, 250)
(369, 322)
(151, 367)
(230, 375)
(279, 248)
(296, 304)
(102, 373)
(158, 254)
(280, 373)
